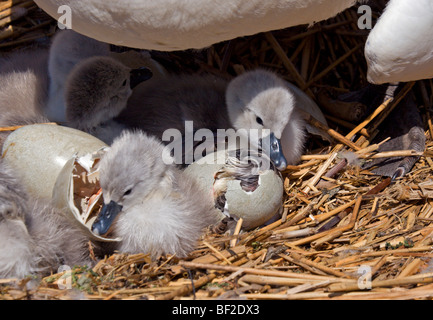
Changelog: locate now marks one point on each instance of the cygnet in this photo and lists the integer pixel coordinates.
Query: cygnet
(67, 49)
(35, 237)
(96, 91)
(23, 89)
(151, 206)
(257, 99)
(27, 80)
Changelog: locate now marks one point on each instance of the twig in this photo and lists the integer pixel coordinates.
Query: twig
(187, 288)
(236, 232)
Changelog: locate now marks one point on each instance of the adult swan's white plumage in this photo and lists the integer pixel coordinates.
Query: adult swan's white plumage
(183, 24)
(399, 48)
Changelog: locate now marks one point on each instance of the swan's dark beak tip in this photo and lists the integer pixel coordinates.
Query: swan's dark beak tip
(139, 75)
(106, 218)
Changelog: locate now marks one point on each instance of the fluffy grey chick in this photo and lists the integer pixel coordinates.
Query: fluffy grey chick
(35, 237)
(97, 90)
(152, 206)
(257, 99)
(100, 83)
(32, 82)
(67, 49)
(260, 99)
(23, 89)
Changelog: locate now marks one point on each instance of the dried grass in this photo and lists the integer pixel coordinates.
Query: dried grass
(337, 220)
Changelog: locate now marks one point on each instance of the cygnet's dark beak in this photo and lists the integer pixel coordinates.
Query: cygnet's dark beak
(106, 217)
(139, 75)
(276, 153)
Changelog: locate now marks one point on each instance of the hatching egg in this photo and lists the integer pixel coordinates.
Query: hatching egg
(59, 164)
(246, 187)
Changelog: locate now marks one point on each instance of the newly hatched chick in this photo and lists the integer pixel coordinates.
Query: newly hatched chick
(96, 91)
(260, 99)
(67, 49)
(152, 206)
(255, 100)
(33, 84)
(35, 237)
(32, 81)
(23, 88)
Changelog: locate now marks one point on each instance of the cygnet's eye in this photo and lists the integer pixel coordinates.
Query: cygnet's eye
(124, 83)
(127, 192)
(259, 120)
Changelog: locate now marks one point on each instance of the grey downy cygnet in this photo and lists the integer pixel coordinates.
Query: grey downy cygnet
(23, 89)
(97, 90)
(67, 49)
(27, 80)
(34, 237)
(150, 205)
(257, 99)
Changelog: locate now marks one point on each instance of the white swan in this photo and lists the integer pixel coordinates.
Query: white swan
(399, 47)
(153, 207)
(177, 25)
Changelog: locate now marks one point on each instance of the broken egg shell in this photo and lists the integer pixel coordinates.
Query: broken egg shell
(254, 207)
(63, 199)
(43, 157)
(39, 152)
(259, 206)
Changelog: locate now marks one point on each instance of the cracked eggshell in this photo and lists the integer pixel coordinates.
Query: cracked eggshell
(254, 207)
(258, 206)
(39, 152)
(45, 158)
(204, 169)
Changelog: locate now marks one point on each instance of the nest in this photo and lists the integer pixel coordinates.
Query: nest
(345, 233)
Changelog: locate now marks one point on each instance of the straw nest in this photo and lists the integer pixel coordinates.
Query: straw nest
(339, 222)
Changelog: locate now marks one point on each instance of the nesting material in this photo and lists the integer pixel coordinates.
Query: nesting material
(339, 224)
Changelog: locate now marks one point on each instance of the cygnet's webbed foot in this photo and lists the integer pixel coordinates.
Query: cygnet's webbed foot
(405, 128)
(354, 106)
(404, 125)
